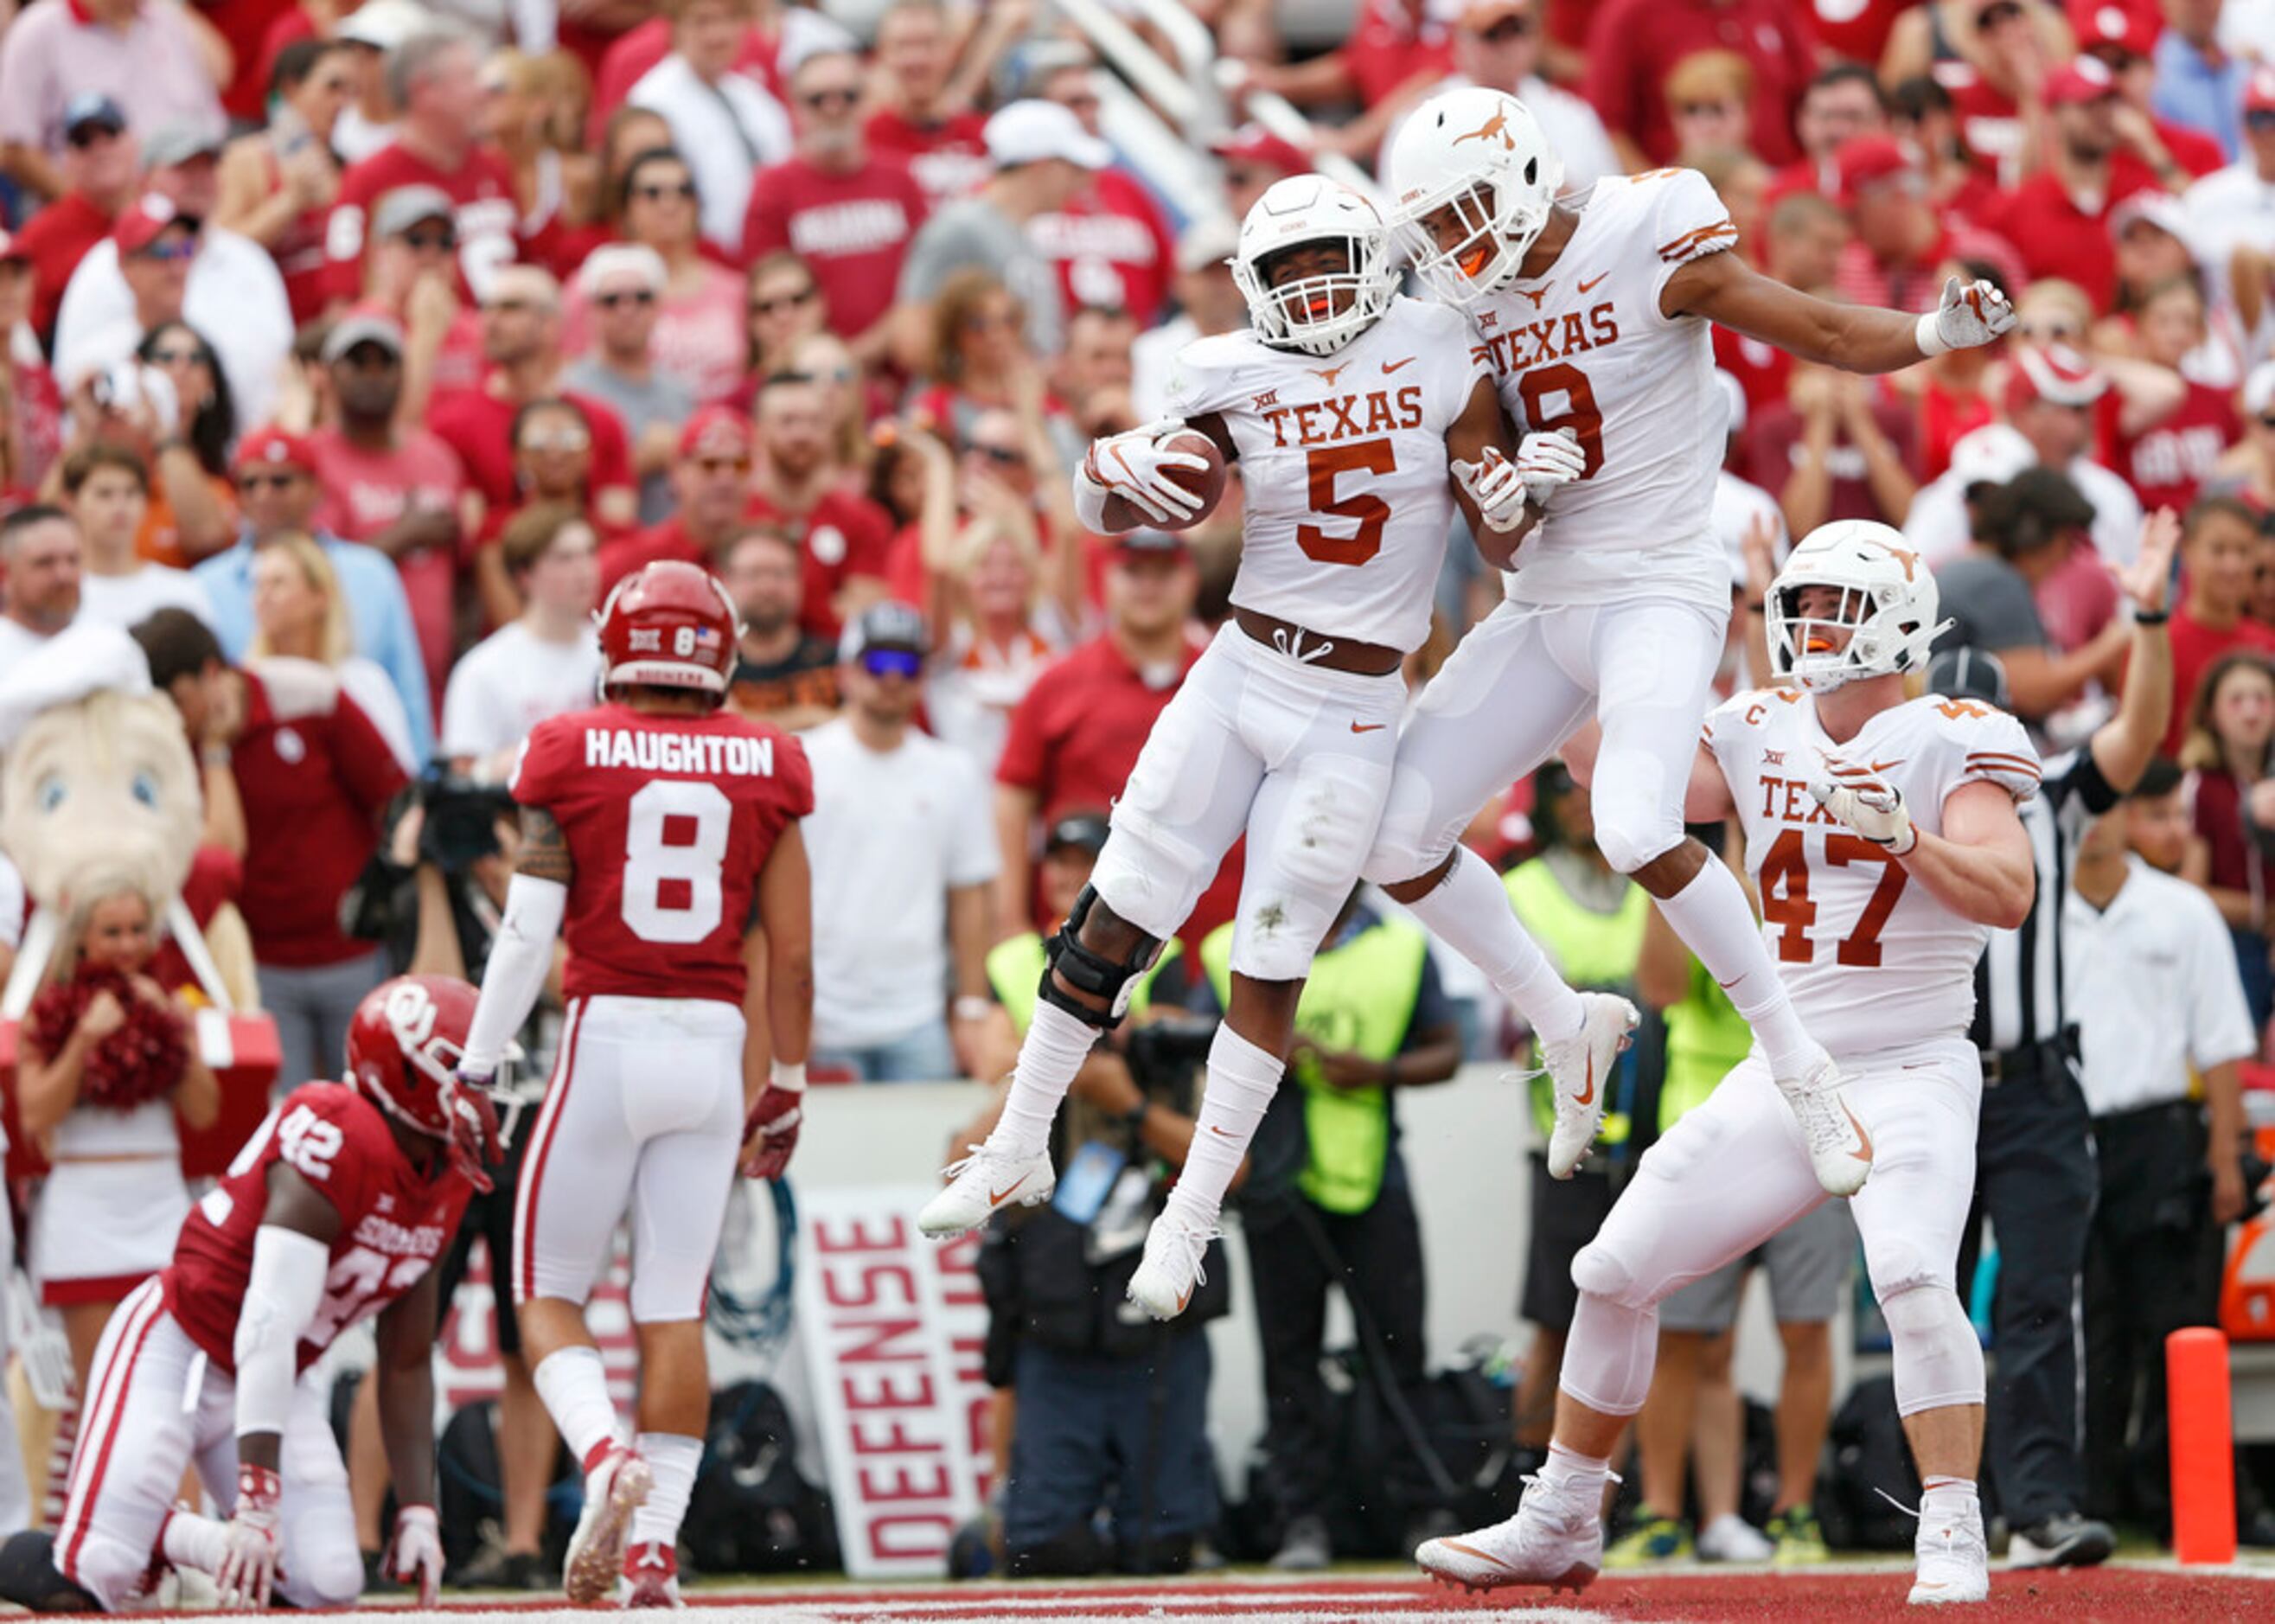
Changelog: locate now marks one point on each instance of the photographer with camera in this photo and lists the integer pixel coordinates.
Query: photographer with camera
(1096, 1410)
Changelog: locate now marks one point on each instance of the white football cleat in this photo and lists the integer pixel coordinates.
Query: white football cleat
(1171, 1267)
(982, 1181)
(1840, 1148)
(1954, 1560)
(613, 1490)
(1556, 1538)
(1579, 1068)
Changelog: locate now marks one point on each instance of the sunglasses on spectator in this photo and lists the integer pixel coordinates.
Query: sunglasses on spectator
(1006, 456)
(904, 662)
(88, 134)
(2268, 422)
(167, 251)
(635, 296)
(787, 301)
(254, 482)
(657, 192)
(171, 357)
(431, 242)
(2260, 118)
(818, 99)
(563, 439)
(1507, 29)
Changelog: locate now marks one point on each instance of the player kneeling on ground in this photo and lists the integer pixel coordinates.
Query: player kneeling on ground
(1883, 836)
(335, 1211)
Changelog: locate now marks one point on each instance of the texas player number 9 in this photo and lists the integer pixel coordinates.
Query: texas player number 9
(672, 886)
(1581, 414)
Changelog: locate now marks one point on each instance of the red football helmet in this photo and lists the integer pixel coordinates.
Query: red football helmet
(668, 624)
(403, 1047)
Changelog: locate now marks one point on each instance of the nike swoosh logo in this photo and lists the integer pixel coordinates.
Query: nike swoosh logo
(1184, 1299)
(1471, 1550)
(1391, 367)
(1726, 985)
(1864, 1155)
(997, 1197)
(1586, 287)
(1587, 1096)
(1219, 1132)
(1369, 726)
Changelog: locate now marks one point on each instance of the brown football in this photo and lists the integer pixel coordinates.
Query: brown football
(1206, 483)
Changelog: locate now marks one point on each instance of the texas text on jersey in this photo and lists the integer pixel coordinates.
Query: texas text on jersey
(1834, 904)
(669, 820)
(395, 1220)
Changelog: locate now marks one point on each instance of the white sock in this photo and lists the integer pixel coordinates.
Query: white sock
(672, 1459)
(1469, 910)
(1242, 1079)
(1712, 916)
(1949, 1497)
(1055, 1046)
(193, 1542)
(575, 1389)
(1567, 1468)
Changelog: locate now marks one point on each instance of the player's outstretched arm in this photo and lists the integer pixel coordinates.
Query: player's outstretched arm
(1723, 287)
(405, 1375)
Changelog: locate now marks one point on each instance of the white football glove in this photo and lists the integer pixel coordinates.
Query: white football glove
(1129, 465)
(416, 1552)
(1546, 463)
(1493, 483)
(1971, 314)
(1870, 805)
(249, 1558)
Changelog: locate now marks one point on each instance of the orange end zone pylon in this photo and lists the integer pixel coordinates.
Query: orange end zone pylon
(2203, 1445)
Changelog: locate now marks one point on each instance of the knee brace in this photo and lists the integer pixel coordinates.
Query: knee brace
(1600, 1271)
(1093, 972)
(1938, 1363)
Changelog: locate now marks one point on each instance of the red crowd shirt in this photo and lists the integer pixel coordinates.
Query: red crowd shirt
(479, 427)
(841, 536)
(948, 159)
(668, 821)
(396, 1221)
(1111, 247)
(488, 218)
(54, 240)
(2165, 465)
(1762, 370)
(299, 255)
(2195, 647)
(2055, 238)
(313, 784)
(1856, 29)
(365, 492)
(1392, 42)
(1634, 43)
(854, 230)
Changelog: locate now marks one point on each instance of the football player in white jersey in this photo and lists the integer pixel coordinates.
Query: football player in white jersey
(1883, 836)
(1593, 316)
(1350, 410)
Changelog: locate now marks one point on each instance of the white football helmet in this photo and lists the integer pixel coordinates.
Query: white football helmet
(1888, 607)
(1481, 153)
(1301, 316)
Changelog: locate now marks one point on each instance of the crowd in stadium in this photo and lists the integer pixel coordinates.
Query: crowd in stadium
(389, 337)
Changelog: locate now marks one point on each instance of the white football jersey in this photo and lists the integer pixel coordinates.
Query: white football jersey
(1871, 958)
(1586, 348)
(1343, 468)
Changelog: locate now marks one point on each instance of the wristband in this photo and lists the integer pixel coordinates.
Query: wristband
(216, 755)
(1925, 335)
(788, 1078)
(972, 1006)
(2146, 617)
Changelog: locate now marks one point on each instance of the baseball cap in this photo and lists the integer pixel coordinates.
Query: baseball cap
(2103, 22)
(1086, 831)
(384, 23)
(180, 141)
(2160, 209)
(622, 260)
(717, 432)
(1211, 240)
(1990, 455)
(366, 324)
(273, 448)
(398, 211)
(1968, 673)
(2259, 91)
(1149, 544)
(884, 625)
(2082, 79)
(1864, 159)
(1252, 143)
(1030, 132)
(141, 221)
(2057, 374)
(1479, 15)
(92, 106)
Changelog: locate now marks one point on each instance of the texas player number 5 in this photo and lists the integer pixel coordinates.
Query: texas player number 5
(674, 846)
(1329, 463)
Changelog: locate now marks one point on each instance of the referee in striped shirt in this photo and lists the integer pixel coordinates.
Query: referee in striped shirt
(2035, 1175)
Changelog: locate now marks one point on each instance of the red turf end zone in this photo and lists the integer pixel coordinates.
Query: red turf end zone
(2102, 1596)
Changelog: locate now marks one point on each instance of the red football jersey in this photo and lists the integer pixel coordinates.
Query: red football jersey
(395, 1220)
(668, 821)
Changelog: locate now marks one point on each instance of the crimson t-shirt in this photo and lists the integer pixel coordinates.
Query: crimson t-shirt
(55, 240)
(1633, 44)
(2167, 464)
(667, 821)
(1111, 247)
(950, 159)
(367, 491)
(2056, 238)
(853, 228)
(841, 536)
(486, 214)
(479, 427)
(2196, 646)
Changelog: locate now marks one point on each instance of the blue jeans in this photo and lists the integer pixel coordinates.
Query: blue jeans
(1082, 1442)
(923, 1055)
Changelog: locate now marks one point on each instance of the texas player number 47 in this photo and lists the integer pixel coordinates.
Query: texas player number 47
(1786, 901)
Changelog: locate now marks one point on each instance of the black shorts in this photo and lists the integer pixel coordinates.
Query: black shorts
(1565, 1214)
(490, 1220)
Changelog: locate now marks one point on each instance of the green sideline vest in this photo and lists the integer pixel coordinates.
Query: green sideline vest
(1593, 951)
(1361, 997)
(1015, 970)
(1705, 1037)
